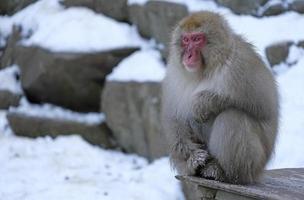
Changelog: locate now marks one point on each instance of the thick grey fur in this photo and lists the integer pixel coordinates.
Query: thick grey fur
(222, 120)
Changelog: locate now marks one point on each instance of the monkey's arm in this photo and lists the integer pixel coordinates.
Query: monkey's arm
(210, 104)
(187, 152)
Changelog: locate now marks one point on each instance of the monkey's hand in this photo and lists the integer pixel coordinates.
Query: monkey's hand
(213, 171)
(196, 161)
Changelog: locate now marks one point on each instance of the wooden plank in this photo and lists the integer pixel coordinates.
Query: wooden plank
(222, 195)
(280, 184)
(206, 193)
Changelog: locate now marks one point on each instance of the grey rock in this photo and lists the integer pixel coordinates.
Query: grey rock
(7, 58)
(163, 16)
(79, 3)
(301, 44)
(157, 18)
(31, 126)
(275, 9)
(263, 2)
(278, 52)
(297, 6)
(133, 114)
(138, 16)
(9, 7)
(70, 80)
(242, 6)
(8, 99)
(2, 45)
(117, 9)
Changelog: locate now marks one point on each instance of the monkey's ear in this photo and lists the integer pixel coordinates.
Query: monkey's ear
(176, 37)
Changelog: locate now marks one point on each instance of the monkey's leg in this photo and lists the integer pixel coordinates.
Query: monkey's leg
(235, 142)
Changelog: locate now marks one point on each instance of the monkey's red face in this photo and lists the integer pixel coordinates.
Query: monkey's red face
(192, 45)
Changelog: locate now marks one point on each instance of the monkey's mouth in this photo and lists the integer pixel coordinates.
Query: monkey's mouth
(192, 58)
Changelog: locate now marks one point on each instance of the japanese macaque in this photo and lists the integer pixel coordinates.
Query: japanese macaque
(220, 102)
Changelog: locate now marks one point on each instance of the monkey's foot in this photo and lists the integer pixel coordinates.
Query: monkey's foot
(197, 161)
(213, 171)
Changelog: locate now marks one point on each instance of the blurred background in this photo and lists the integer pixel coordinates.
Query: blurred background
(80, 92)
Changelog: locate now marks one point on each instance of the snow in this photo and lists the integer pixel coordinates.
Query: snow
(8, 79)
(141, 66)
(294, 54)
(5, 129)
(56, 112)
(280, 68)
(139, 2)
(69, 168)
(269, 30)
(48, 24)
(290, 144)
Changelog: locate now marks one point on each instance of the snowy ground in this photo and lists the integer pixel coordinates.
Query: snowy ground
(68, 167)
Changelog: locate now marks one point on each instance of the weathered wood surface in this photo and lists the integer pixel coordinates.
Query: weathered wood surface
(280, 184)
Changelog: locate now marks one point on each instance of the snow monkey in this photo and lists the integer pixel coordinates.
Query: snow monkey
(220, 102)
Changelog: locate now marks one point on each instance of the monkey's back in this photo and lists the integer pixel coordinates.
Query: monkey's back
(251, 83)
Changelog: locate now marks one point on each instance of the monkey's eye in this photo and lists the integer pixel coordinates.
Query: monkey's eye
(199, 38)
(196, 39)
(185, 40)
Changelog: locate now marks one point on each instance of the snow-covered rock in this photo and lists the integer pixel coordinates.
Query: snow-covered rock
(278, 52)
(32, 120)
(131, 102)
(70, 80)
(32, 126)
(141, 66)
(48, 24)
